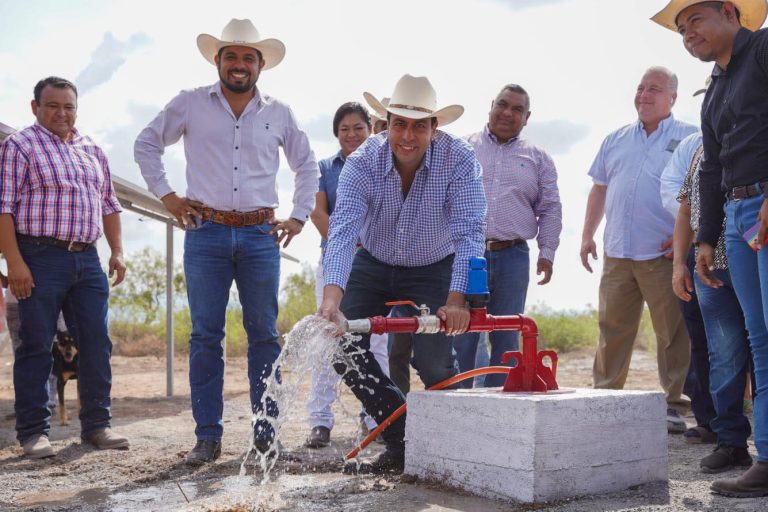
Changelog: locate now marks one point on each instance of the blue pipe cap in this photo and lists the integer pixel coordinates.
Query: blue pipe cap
(477, 283)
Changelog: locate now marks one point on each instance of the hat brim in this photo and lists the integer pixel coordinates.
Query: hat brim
(752, 14)
(272, 50)
(445, 115)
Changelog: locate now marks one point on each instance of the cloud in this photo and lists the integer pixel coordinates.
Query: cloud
(556, 136)
(519, 5)
(320, 129)
(107, 58)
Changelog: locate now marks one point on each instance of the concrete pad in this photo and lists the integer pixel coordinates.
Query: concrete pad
(535, 447)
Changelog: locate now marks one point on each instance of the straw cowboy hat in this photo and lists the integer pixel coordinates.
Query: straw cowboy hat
(751, 12)
(380, 117)
(242, 33)
(415, 98)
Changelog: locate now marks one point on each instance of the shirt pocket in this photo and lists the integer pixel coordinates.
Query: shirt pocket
(50, 170)
(266, 139)
(88, 168)
(517, 177)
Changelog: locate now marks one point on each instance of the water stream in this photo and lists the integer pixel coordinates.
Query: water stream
(310, 346)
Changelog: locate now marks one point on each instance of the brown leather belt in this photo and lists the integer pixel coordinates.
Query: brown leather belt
(63, 244)
(238, 219)
(498, 245)
(747, 191)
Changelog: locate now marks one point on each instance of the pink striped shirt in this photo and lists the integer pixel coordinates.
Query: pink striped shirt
(54, 188)
(520, 183)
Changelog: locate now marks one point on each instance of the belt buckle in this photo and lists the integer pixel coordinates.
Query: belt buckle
(739, 193)
(488, 244)
(69, 246)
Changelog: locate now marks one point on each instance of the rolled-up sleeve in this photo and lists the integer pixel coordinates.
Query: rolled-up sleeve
(109, 201)
(164, 130)
(14, 164)
(302, 161)
(466, 209)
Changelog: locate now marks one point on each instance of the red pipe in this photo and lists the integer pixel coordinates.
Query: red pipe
(479, 321)
(440, 385)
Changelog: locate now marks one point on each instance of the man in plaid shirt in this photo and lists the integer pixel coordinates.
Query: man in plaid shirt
(55, 192)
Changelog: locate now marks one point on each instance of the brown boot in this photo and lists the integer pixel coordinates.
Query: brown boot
(751, 484)
(105, 439)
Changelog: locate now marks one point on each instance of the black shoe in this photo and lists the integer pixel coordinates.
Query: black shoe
(265, 446)
(389, 461)
(203, 452)
(725, 458)
(319, 437)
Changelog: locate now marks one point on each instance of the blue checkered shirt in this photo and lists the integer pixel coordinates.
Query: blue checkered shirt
(443, 214)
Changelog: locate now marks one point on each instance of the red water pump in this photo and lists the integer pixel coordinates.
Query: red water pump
(530, 372)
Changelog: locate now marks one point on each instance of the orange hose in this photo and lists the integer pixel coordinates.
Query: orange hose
(440, 385)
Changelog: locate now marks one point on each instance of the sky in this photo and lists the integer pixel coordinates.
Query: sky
(580, 61)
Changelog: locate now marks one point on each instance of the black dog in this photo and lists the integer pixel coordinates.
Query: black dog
(65, 362)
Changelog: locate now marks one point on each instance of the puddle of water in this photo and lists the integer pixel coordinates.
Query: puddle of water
(50, 498)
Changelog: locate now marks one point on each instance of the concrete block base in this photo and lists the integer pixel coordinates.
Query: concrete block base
(537, 447)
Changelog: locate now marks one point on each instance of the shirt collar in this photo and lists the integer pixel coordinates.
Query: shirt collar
(75, 134)
(216, 89)
(743, 36)
(339, 156)
(663, 124)
(425, 162)
(490, 136)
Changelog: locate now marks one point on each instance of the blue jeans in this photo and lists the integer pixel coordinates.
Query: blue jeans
(72, 282)
(508, 271)
(400, 349)
(214, 256)
(728, 359)
(372, 283)
(697, 383)
(749, 273)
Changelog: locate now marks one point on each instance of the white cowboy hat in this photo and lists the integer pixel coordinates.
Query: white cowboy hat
(380, 117)
(415, 98)
(242, 33)
(751, 12)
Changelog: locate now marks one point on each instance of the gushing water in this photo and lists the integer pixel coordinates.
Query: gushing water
(310, 346)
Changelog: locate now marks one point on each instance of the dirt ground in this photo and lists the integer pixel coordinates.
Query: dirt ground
(152, 475)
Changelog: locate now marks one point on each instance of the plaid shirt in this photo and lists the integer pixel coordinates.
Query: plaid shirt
(54, 188)
(521, 188)
(443, 214)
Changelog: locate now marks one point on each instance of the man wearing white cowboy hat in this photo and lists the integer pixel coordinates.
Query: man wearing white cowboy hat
(414, 198)
(232, 132)
(733, 174)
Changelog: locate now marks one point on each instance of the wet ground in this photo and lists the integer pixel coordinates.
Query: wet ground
(152, 475)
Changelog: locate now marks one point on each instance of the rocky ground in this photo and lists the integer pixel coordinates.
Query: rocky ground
(152, 476)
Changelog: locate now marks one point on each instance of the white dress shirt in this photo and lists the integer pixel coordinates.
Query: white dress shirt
(232, 163)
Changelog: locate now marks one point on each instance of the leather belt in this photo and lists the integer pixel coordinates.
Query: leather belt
(238, 219)
(747, 191)
(63, 244)
(498, 245)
